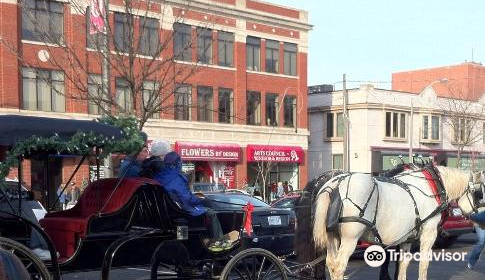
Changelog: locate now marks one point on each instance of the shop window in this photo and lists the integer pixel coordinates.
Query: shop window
(225, 106)
(290, 111)
(183, 102)
(395, 125)
(225, 42)
(253, 108)
(430, 128)
(124, 98)
(335, 125)
(151, 99)
(204, 45)
(272, 56)
(95, 94)
(272, 106)
(204, 104)
(43, 21)
(337, 161)
(43, 90)
(149, 44)
(253, 53)
(182, 43)
(290, 51)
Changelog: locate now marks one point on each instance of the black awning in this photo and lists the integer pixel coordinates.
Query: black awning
(14, 128)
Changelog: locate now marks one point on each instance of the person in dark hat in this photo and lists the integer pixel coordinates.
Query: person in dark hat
(131, 165)
(176, 185)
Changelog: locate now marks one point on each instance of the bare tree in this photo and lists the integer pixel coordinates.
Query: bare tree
(263, 169)
(142, 62)
(464, 117)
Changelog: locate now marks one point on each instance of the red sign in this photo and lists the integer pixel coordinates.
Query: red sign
(257, 153)
(208, 152)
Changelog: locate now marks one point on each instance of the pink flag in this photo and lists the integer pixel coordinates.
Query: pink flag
(96, 22)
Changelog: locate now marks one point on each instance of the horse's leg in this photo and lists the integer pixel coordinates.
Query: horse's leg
(427, 239)
(384, 272)
(404, 263)
(332, 249)
(347, 247)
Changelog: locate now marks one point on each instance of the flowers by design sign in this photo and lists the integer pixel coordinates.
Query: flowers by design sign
(208, 152)
(290, 154)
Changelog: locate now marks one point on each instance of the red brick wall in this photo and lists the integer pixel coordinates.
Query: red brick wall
(272, 9)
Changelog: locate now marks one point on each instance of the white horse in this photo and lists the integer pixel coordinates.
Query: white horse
(394, 210)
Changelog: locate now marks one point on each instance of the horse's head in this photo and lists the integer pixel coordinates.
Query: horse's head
(467, 201)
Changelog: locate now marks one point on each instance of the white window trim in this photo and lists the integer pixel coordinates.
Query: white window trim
(333, 138)
(406, 124)
(430, 129)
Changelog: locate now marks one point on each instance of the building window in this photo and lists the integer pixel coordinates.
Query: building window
(149, 37)
(395, 125)
(124, 98)
(253, 53)
(272, 56)
(43, 21)
(272, 106)
(183, 102)
(431, 128)
(290, 111)
(290, 51)
(461, 130)
(253, 102)
(225, 42)
(225, 106)
(123, 35)
(93, 41)
(204, 104)
(335, 125)
(95, 94)
(204, 45)
(182, 43)
(151, 99)
(337, 161)
(43, 90)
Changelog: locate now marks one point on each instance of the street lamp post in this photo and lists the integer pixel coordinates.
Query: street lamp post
(411, 117)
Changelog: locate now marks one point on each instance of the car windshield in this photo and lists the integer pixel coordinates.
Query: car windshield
(207, 188)
(285, 203)
(233, 201)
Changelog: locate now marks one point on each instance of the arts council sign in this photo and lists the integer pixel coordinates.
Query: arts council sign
(290, 154)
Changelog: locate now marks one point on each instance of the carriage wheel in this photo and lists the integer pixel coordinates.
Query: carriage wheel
(254, 264)
(32, 263)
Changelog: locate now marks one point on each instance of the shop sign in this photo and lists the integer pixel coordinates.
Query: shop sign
(229, 175)
(290, 154)
(208, 152)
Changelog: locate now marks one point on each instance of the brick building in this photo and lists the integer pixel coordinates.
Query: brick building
(252, 78)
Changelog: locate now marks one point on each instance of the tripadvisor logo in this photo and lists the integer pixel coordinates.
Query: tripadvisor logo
(375, 256)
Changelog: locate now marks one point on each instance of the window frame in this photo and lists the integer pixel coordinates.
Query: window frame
(341, 156)
(205, 104)
(289, 121)
(268, 109)
(204, 45)
(225, 48)
(427, 133)
(254, 117)
(148, 89)
(223, 95)
(272, 57)
(253, 47)
(397, 119)
(122, 89)
(185, 112)
(182, 50)
(122, 23)
(290, 57)
(94, 81)
(336, 116)
(51, 82)
(54, 12)
(149, 34)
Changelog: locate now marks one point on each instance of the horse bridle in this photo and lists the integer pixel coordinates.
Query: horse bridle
(470, 189)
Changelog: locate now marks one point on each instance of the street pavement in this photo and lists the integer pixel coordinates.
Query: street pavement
(357, 270)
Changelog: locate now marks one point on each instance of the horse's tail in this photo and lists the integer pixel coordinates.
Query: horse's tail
(320, 220)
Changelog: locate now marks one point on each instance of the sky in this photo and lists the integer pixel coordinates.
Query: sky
(368, 40)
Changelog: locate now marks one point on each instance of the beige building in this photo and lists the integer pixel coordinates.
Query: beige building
(379, 122)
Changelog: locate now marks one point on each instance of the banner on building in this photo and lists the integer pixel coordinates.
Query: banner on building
(290, 154)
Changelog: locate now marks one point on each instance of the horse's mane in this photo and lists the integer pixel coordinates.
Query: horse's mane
(454, 180)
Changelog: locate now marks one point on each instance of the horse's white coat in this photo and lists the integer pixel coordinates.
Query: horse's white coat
(395, 214)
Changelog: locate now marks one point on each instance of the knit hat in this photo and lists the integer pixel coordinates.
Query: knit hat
(160, 147)
(171, 158)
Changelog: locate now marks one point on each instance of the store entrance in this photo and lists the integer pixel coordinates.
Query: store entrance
(46, 172)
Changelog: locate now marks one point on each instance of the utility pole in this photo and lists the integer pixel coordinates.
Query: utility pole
(105, 83)
(346, 157)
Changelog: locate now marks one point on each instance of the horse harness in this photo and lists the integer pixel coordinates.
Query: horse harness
(431, 174)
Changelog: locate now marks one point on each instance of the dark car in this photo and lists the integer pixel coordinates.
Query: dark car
(273, 229)
(453, 226)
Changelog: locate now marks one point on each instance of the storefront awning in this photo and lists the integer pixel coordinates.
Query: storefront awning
(208, 152)
(290, 154)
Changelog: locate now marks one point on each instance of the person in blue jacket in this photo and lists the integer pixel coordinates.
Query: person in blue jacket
(176, 185)
(131, 166)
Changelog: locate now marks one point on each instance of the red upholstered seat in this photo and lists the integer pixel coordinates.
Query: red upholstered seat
(65, 227)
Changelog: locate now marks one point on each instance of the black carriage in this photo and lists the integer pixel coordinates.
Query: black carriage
(122, 222)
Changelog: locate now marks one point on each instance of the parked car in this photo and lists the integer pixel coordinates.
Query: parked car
(206, 187)
(36, 206)
(273, 229)
(454, 225)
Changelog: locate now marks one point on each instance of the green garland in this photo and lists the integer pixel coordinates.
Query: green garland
(80, 144)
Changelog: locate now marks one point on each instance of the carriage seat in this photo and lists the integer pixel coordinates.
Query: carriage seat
(66, 227)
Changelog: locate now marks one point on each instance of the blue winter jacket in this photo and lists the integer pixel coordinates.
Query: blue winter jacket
(176, 185)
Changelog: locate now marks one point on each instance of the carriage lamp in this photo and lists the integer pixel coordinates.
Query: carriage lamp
(182, 229)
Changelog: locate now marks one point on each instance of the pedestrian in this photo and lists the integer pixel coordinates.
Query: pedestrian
(280, 191)
(285, 187)
(131, 166)
(61, 194)
(479, 224)
(153, 164)
(73, 195)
